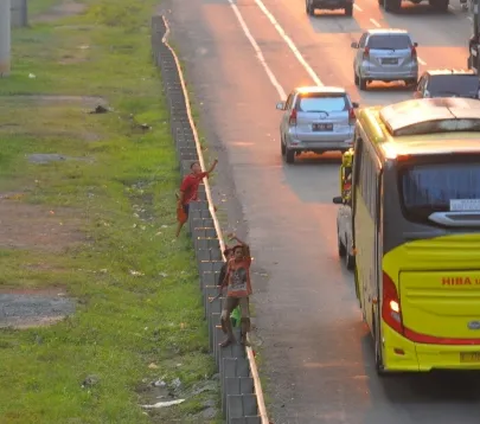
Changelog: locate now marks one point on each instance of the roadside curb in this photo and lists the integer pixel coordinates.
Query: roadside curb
(242, 395)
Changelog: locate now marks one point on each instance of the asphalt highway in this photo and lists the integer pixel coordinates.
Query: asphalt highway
(241, 57)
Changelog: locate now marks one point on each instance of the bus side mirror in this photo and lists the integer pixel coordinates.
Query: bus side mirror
(337, 200)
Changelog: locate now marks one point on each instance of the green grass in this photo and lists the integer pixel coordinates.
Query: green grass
(121, 173)
(36, 7)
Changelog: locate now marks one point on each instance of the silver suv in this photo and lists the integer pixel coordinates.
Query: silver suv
(316, 119)
(385, 55)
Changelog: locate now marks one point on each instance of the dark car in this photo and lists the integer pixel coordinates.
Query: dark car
(311, 5)
(448, 83)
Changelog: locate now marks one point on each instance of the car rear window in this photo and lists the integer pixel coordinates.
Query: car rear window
(453, 85)
(388, 42)
(322, 102)
(428, 188)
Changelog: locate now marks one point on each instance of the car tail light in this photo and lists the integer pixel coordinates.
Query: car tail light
(413, 53)
(292, 121)
(351, 116)
(366, 53)
(391, 310)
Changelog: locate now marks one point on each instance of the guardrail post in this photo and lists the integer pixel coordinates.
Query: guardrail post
(241, 406)
(212, 331)
(246, 420)
(209, 292)
(209, 278)
(238, 387)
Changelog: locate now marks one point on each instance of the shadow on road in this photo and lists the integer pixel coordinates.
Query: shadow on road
(334, 22)
(436, 387)
(313, 178)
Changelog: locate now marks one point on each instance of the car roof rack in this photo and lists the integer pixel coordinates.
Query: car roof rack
(427, 116)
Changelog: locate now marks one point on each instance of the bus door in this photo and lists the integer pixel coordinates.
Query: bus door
(378, 256)
(371, 242)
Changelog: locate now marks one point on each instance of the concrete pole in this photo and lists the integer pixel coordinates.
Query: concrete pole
(5, 41)
(23, 13)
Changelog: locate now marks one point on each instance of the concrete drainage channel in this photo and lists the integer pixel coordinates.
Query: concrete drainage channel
(242, 396)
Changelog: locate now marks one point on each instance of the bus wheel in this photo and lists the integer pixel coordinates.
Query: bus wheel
(377, 342)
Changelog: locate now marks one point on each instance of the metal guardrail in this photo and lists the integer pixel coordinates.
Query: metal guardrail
(242, 395)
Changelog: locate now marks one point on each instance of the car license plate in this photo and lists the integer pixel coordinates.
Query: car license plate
(470, 357)
(390, 61)
(322, 127)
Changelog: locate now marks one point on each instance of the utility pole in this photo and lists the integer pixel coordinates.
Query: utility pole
(5, 41)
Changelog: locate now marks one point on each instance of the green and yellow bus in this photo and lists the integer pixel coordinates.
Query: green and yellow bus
(416, 232)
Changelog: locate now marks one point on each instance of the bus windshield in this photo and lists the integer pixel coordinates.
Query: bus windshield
(428, 188)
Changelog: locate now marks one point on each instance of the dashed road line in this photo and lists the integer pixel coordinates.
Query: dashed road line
(296, 52)
(356, 7)
(261, 58)
(289, 42)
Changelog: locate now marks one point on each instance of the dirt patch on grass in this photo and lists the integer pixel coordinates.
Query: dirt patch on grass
(49, 111)
(63, 10)
(45, 291)
(34, 227)
(27, 308)
(52, 100)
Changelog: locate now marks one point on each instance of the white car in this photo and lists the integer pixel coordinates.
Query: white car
(316, 119)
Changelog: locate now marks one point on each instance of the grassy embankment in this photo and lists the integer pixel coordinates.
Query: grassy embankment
(139, 315)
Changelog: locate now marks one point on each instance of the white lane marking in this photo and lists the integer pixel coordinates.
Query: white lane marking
(289, 42)
(258, 51)
(357, 8)
(450, 7)
(422, 62)
(470, 18)
(374, 22)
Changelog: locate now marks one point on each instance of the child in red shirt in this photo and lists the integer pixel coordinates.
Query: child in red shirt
(239, 288)
(189, 191)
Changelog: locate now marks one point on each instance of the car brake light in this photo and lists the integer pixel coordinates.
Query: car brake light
(292, 121)
(391, 309)
(351, 116)
(413, 52)
(366, 53)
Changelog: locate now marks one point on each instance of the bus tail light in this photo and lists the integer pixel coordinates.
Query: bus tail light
(391, 310)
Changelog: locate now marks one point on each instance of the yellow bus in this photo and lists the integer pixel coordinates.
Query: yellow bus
(416, 232)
